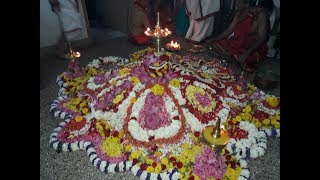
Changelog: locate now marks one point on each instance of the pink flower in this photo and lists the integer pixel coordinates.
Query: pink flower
(208, 164)
(204, 100)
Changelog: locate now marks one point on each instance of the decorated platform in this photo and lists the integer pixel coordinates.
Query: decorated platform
(146, 114)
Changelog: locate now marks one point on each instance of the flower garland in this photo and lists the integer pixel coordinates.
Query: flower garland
(252, 145)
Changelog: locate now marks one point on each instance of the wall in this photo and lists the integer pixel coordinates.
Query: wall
(49, 25)
(115, 13)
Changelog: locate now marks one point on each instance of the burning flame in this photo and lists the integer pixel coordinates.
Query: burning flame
(174, 45)
(157, 32)
(76, 54)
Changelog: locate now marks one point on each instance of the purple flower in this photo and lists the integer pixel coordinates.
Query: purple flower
(162, 80)
(108, 97)
(144, 79)
(114, 73)
(204, 100)
(127, 84)
(100, 105)
(170, 75)
(99, 79)
(117, 90)
(149, 59)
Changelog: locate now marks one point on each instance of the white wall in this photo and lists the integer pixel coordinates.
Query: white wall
(49, 25)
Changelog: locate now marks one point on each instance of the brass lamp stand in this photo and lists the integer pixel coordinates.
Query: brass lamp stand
(215, 136)
(157, 34)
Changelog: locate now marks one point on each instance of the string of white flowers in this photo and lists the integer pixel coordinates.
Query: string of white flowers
(252, 146)
(230, 92)
(272, 112)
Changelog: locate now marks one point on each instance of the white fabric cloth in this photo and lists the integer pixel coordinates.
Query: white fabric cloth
(70, 19)
(277, 3)
(198, 30)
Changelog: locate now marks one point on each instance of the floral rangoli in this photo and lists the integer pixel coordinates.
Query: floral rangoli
(146, 115)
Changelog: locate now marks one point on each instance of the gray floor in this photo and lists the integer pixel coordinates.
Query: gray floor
(76, 165)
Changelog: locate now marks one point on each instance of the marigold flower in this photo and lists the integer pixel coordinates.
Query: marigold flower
(272, 101)
(157, 89)
(112, 147)
(150, 169)
(175, 82)
(78, 118)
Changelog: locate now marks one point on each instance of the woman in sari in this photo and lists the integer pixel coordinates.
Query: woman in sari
(245, 39)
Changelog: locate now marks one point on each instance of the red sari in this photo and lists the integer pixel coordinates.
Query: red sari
(242, 40)
(140, 39)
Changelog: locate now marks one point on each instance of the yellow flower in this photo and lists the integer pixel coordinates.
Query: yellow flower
(232, 105)
(92, 71)
(266, 121)
(118, 98)
(245, 116)
(107, 126)
(182, 177)
(85, 110)
(135, 80)
(128, 148)
(76, 100)
(236, 119)
(277, 125)
(79, 88)
(159, 73)
(158, 168)
(156, 64)
(79, 118)
(185, 146)
(258, 124)
(164, 161)
(136, 154)
(247, 109)
(121, 134)
(123, 71)
(83, 104)
(165, 67)
(272, 101)
(158, 154)
(175, 82)
(157, 89)
(100, 130)
(183, 170)
(149, 161)
(150, 169)
(196, 177)
(153, 75)
(112, 147)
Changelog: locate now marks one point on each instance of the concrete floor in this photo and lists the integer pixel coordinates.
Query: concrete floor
(76, 165)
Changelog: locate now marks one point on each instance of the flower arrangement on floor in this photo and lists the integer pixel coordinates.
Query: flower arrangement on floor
(128, 117)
